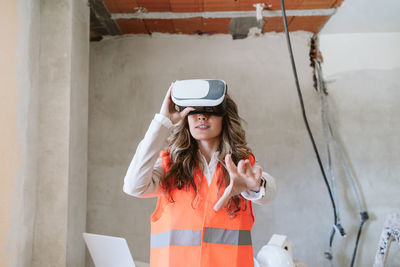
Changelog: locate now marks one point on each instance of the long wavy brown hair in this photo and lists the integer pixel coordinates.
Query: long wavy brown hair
(183, 151)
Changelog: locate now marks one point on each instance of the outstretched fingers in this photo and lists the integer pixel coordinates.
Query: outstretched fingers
(232, 170)
(230, 165)
(241, 167)
(249, 169)
(259, 172)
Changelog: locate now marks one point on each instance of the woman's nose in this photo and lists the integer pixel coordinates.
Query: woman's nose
(201, 116)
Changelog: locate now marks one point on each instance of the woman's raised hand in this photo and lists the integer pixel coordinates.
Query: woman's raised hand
(169, 111)
(242, 178)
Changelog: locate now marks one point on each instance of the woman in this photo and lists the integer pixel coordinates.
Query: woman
(205, 183)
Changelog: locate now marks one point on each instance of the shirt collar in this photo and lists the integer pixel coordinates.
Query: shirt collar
(213, 160)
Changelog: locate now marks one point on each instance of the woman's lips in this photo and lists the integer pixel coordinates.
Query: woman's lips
(202, 126)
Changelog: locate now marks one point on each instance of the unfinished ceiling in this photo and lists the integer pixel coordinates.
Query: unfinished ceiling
(236, 17)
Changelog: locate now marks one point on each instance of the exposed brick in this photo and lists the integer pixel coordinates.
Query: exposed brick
(275, 24)
(188, 26)
(316, 4)
(186, 5)
(121, 6)
(160, 25)
(308, 23)
(212, 26)
(154, 5)
(128, 26)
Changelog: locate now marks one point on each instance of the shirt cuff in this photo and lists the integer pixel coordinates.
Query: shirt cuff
(163, 120)
(251, 195)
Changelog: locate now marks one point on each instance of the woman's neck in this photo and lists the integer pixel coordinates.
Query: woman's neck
(207, 148)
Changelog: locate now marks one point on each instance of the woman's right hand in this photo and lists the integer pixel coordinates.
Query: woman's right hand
(169, 111)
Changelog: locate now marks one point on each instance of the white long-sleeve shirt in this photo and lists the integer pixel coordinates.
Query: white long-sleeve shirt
(145, 171)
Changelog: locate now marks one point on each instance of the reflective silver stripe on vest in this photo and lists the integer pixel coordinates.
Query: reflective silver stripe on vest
(227, 236)
(176, 237)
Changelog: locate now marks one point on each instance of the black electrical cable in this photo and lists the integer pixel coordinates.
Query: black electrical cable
(305, 117)
(364, 214)
(364, 218)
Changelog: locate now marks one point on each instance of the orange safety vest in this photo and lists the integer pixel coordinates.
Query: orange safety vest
(189, 232)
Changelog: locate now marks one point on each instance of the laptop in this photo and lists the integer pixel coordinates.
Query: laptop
(108, 251)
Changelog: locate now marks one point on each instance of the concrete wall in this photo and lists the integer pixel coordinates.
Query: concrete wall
(44, 111)
(362, 16)
(129, 77)
(348, 52)
(78, 147)
(63, 122)
(19, 54)
(11, 157)
(361, 71)
(368, 126)
(128, 80)
(361, 66)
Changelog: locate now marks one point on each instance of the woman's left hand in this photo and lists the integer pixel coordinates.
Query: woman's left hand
(242, 178)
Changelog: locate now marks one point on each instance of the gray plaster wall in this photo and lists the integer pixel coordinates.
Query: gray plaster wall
(78, 141)
(365, 107)
(128, 80)
(363, 87)
(23, 208)
(60, 217)
(48, 149)
(50, 233)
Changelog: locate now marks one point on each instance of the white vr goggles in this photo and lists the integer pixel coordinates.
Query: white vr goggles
(206, 96)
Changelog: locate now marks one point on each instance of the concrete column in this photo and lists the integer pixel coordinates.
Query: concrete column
(10, 146)
(62, 158)
(19, 68)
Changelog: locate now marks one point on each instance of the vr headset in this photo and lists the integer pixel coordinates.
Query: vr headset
(206, 96)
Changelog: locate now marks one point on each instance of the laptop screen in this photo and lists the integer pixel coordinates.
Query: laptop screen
(108, 251)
